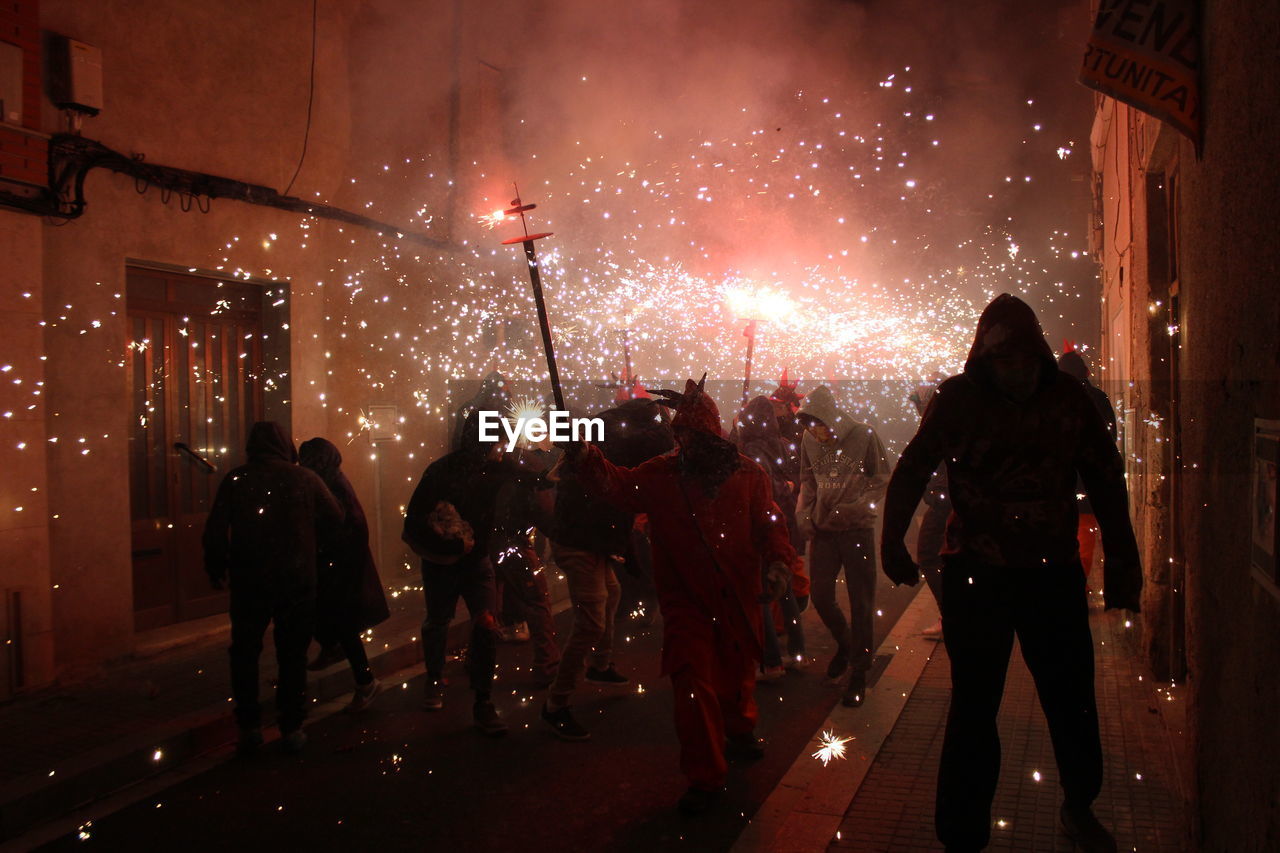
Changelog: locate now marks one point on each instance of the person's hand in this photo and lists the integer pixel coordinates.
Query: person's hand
(1121, 584)
(897, 563)
(776, 580)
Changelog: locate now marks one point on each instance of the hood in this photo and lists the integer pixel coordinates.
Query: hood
(635, 432)
(469, 441)
(697, 411)
(821, 405)
(758, 421)
(1008, 325)
(320, 455)
(268, 440)
(1072, 364)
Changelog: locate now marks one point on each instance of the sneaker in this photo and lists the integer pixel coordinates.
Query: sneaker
(294, 741)
(327, 657)
(487, 719)
(567, 728)
(250, 741)
(1083, 828)
(363, 696)
(838, 665)
(798, 663)
(517, 632)
(433, 700)
(748, 746)
(773, 673)
(698, 801)
(933, 632)
(856, 690)
(609, 677)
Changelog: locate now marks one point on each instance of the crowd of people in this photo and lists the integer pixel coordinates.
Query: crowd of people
(712, 524)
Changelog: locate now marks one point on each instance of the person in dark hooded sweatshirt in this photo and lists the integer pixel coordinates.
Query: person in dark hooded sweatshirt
(589, 538)
(713, 522)
(448, 523)
(1014, 432)
(1073, 364)
(262, 536)
(760, 439)
(350, 596)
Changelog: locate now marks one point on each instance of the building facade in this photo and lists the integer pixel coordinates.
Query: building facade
(157, 295)
(1191, 356)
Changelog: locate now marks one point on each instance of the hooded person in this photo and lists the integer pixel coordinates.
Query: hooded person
(712, 520)
(1014, 432)
(843, 474)
(449, 523)
(262, 536)
(1074, 365)
(589, 538)
(494, 395)
(760, 439)
(350, 597)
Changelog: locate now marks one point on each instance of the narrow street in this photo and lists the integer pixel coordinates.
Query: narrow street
(399, 778)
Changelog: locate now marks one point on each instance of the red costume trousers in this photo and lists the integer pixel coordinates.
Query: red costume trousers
(714, 697)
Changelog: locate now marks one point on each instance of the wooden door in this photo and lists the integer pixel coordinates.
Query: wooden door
(194, 362)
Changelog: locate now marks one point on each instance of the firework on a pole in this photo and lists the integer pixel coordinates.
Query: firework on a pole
(518, 208)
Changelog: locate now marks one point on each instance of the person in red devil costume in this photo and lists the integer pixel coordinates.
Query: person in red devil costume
(713, 523)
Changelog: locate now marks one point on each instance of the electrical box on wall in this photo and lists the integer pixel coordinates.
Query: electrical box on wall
(75, 75)
(10, 83)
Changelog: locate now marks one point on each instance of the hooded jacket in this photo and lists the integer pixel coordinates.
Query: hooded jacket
(1072, 364)
(1012, 465)
(467, 480)
(842, 483)
(707, 549)
(351, 597)
(267, 520)
(634, 432)
(760, 440)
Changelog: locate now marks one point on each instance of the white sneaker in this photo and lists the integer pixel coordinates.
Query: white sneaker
(363, 696)
(933, 632)
(773, 673)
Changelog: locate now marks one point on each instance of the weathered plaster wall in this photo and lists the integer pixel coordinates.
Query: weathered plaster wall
(1231, 363)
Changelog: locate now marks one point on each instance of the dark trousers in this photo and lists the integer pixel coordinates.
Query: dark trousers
(292, 620)
(472, 581)
(854, 551)
(983, 608)
(795, 632)
(527, 599)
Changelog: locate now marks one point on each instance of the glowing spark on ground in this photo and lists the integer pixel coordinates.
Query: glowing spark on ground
(830, 747)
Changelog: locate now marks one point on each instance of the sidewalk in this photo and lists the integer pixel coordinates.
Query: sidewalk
(880, 798)
(65, 747)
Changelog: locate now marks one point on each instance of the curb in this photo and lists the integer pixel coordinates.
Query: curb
(805, 810)
(27, 803)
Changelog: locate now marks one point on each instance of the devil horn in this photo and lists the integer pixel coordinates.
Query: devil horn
(702, 383)
(1068, 346)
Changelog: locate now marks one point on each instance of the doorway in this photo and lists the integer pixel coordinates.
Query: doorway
(195, 367)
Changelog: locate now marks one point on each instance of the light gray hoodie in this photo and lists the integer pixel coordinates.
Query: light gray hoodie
(842, 484)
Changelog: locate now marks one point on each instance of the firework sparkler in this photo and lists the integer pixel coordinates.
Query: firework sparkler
(830, 746)
(531, 255)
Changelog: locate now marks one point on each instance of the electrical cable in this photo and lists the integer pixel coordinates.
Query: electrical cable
(311, 93)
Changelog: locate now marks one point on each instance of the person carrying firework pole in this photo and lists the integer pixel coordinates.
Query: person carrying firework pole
(712, 520)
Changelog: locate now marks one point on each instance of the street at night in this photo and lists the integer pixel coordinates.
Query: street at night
(668, 425)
